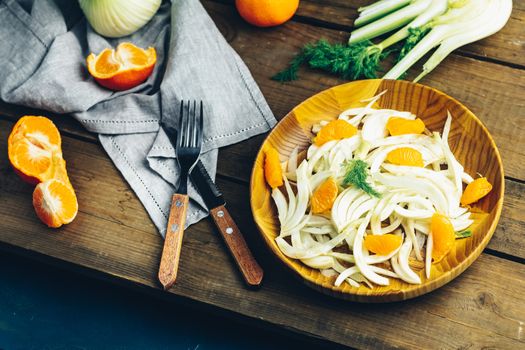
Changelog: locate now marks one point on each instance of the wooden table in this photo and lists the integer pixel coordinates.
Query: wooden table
(113, 238)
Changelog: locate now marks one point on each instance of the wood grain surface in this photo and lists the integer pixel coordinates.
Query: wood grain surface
(169, 261)
(112, 237)
(234, 240)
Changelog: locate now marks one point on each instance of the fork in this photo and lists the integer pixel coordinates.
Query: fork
(188, 149)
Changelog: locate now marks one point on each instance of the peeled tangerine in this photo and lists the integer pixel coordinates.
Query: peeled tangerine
(123, 68)
(383, 244)
(476, 190)
(34, 150)
(443, 236)
(272, 168)
(324, 196)
(335, 130)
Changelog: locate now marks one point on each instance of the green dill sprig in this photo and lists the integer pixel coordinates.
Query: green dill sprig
(463, 234)
(357, 175)
(360, 60)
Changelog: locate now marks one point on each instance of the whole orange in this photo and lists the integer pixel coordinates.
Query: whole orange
(266, 13)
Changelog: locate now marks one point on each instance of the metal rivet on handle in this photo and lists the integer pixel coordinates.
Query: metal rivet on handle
(178, 203)
(229, 230)
(220, 213)
(174, 227)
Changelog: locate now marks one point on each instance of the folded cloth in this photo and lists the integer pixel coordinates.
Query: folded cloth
(43, 46)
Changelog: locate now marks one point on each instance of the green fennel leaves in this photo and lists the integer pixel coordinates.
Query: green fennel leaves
(347, 61)
(357, 175)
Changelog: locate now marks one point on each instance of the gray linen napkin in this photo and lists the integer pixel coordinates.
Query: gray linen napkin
(43, 45)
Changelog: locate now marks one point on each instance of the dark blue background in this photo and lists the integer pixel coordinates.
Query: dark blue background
(44, 307)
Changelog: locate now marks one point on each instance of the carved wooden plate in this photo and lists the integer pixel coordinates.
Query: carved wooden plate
(470, 142)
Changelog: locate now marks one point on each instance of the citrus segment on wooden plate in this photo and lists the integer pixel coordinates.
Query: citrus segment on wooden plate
(469, 140)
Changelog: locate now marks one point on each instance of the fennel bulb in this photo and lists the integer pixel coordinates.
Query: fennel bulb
(421, 26)
(118, 18)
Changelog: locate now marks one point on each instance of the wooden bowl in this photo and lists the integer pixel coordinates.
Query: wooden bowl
(470, 141)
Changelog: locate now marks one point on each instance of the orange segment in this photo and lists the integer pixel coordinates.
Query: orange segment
(476, 190)
(335, 130)
(55, 202)
(443, 236)
(401, 126)
(272, 168)
(324, 196)
(32, 146)
(383, 244)
(405, 156)
(123, 68)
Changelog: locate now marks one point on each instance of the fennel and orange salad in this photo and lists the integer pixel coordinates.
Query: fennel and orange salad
(375, 191)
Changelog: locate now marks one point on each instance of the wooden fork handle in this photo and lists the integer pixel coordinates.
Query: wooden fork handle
(169, 263)
(250, 269)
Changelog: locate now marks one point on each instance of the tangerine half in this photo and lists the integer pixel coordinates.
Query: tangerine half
(123, 68)
(55, 202)
(33, 148)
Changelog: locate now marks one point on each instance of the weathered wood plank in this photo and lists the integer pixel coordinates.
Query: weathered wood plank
(506, 46)
(112, 234)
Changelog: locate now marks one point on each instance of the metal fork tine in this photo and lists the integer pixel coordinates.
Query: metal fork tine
(187, 138)
(185, 129)
(181, 119)
(200, 128)
(194, 125)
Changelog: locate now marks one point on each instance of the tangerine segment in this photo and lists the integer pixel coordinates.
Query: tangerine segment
(401, 126)
(272, 168)
(476, 190)
(443, 236)
(32, 145)
(335, 130)
(383, 244)
(266, 13)
(55, 203)
(123, 68)
(405, 156)
(324, 196)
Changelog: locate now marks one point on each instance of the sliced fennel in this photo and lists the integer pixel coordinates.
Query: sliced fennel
(334, 241)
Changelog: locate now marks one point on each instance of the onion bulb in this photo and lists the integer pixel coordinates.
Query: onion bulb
(118, 18)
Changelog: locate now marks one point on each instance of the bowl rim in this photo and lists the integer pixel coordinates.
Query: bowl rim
(397, 295)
